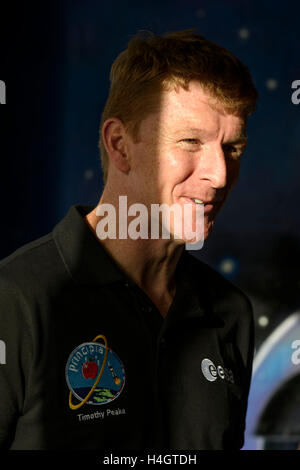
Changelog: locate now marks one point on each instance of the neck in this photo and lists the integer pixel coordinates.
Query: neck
(151, 264)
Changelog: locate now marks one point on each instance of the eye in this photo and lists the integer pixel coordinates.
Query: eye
(232, 151)
(191, 141)
(191, 145)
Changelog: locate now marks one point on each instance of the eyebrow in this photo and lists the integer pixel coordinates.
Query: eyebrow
(240, 139)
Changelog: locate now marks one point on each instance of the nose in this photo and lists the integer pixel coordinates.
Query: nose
(213, 166)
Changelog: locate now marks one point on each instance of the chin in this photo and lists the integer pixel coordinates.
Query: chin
(207, 229)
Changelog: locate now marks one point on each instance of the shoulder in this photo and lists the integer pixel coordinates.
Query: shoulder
(230, 304)
(226, 297)
(202, 272)
(29, 268)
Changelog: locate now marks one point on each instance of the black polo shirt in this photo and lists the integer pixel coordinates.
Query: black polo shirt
(90, 363)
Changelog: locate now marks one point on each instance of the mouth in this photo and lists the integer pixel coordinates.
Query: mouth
(209, 205)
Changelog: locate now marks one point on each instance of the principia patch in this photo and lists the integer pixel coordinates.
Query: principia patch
(94, 374)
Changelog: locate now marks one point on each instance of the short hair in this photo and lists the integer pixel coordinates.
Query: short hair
(152, 64)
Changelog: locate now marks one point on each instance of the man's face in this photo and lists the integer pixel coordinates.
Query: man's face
(187, 151)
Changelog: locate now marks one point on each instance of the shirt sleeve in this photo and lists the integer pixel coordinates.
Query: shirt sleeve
(16, 348)
(246, 335)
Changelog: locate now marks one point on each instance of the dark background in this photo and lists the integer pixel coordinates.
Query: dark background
(55, 61)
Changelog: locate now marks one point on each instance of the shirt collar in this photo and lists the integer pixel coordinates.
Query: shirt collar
(83, 255)
(195, 296)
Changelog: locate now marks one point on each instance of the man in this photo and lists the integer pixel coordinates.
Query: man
(125, 342)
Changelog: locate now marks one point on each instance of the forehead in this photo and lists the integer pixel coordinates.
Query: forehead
(193, 110)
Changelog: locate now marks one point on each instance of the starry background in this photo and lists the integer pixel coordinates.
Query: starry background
(55, 61)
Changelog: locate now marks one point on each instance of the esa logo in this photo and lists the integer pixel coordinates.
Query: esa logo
(211, 372)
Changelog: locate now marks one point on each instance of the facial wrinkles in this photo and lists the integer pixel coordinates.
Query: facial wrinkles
(166, 142)
(193, 110)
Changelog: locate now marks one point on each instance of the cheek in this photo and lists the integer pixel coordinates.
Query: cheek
(178, 166)
(162, 169)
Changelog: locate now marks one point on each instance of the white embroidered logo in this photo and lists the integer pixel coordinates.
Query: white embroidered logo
(211, 372)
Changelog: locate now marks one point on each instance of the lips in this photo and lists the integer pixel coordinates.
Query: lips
(209, 204)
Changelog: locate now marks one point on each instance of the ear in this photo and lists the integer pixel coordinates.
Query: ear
(114, 140)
